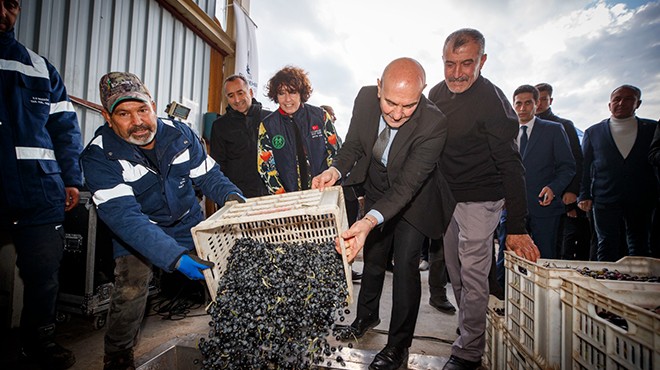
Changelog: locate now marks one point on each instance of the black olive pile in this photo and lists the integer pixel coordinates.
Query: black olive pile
(607, 274)
(275, 306)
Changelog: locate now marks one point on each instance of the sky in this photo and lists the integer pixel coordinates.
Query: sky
(584, 49)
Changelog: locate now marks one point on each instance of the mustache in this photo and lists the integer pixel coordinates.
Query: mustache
(458, 79)
(139, 128)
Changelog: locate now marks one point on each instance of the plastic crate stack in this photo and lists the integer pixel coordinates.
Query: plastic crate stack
(494, 353)
(557, 318)
(303, 216)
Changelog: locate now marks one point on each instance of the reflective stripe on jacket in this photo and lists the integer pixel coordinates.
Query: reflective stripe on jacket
(40, 139)
(152, 208)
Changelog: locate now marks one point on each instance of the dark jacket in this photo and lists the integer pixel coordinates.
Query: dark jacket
(415, 184)
(40, 140)
(151, 208)
(481, 160)
(576, 149)
(548, 162)
(277, 158)
(234, 147)
(608, 177)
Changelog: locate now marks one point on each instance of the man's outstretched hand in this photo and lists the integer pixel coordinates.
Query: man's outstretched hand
(355, 237)
(523, 246)
(326, 178)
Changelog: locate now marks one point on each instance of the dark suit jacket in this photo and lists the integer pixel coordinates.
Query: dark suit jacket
(576, 149)
(608, 177)
(548, 161)
(417, 189)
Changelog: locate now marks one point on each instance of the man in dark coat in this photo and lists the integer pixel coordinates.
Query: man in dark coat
(234, 137)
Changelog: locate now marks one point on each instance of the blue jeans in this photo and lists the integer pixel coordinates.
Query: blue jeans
(128, 303)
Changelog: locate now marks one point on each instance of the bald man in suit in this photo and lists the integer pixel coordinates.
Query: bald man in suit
(392, 148)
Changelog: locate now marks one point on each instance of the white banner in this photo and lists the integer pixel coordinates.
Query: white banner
(247, 58)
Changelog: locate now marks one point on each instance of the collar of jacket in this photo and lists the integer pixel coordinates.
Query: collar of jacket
(7, 38)
(546, 114)
(167, 138)
(255, 108)
(297, 114)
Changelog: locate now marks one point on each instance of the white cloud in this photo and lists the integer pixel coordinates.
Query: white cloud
(583, 48)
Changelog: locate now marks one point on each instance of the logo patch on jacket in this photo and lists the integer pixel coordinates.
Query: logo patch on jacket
(316, 132)
(39, 100)
(278, 141)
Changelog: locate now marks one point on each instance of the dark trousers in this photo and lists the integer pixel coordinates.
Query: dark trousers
(543, 231)
(637, 222)
(575, 237)
(405, 240)
(128, 303)
(437, 272)
(655, 231)
(39, 251)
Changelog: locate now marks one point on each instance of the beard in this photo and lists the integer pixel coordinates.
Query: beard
(141, 139)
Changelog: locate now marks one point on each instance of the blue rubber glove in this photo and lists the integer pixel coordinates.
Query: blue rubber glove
(191, 266)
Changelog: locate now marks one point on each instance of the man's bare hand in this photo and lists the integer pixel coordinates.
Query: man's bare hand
(326, 178)
(569, 197)
(72, 198)
(354, 238)
(546, 196)
(523, 246)
(585, 205)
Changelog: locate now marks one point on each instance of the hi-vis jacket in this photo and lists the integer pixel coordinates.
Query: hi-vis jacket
(40, 139)
(151, 208)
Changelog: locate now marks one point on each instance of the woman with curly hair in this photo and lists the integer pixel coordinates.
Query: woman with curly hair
(298, 141)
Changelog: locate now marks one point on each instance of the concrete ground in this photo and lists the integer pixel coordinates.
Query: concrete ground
(434, 334)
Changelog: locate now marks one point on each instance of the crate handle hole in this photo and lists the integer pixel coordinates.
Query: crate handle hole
(611, 319)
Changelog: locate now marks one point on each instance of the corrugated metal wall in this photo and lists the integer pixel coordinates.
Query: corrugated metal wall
(85, 39)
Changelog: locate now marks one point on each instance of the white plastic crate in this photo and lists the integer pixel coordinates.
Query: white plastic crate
(494, 352)
(533, 305)
(304, 216)
(517, 358)
(629, 339)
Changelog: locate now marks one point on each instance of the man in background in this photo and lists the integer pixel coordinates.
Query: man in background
(574, 231)
(234, 137)
(618, 180)
(549, 168)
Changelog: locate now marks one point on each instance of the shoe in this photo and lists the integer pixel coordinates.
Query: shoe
(457, 363)
(122, 360)
(39, 346)
(444, 307)
(359, 327)
(50, 356)
(356, 276)
(390, 358)
(423, 265)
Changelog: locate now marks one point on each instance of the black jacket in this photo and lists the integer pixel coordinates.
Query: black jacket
(234, 147)
(481, 160)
